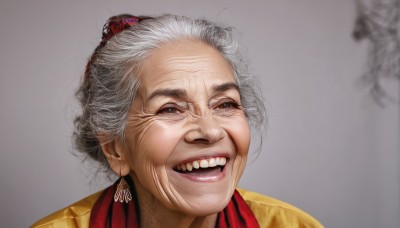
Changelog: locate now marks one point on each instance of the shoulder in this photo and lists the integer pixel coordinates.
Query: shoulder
(75, 215)
(271, 212)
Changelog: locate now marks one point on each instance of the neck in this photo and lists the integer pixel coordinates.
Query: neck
(154, 214)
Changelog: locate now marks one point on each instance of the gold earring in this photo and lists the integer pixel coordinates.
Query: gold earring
(123, 194)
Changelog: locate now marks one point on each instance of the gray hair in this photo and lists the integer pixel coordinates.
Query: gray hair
(106, 94)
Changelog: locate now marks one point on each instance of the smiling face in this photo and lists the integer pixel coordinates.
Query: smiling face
(187, 136)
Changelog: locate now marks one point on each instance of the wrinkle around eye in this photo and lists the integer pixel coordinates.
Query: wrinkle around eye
(229, 113)
(140, 119)
(144, 117)
(172, 116)
(232, 109)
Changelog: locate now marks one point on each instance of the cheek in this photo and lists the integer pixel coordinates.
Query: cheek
(157, 143)
(239, 131)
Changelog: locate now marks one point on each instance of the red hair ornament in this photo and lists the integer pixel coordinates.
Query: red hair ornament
(117, 24)
(113, 26)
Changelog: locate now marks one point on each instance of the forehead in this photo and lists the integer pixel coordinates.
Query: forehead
(182, 63)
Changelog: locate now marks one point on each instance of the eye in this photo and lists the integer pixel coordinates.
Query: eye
(228, 105)
(169, 109)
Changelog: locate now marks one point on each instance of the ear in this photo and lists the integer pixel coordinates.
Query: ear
(116, 156)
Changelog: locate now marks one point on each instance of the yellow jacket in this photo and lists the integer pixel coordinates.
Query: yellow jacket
(269, 212)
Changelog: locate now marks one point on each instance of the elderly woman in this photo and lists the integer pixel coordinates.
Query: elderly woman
(167, 104)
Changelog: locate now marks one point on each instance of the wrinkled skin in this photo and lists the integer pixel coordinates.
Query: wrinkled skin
(187, 107)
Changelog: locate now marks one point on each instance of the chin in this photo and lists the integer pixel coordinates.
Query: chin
(208, 205)
(206, 199)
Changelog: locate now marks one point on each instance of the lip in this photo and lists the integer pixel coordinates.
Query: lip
(205, 178)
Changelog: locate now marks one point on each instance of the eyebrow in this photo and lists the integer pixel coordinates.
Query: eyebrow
(175, 93)
(181, 93)
(225, 87)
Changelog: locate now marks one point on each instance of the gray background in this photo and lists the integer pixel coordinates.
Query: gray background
(329, 149)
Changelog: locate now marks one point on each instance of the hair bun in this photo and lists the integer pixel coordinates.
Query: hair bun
(117, 24)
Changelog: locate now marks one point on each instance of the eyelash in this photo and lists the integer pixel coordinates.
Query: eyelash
(169, 109)
(172, 109)
(231, 105)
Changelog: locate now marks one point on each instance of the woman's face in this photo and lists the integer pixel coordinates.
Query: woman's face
(187, 137)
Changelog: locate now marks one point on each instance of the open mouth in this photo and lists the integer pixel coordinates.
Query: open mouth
(202, 167)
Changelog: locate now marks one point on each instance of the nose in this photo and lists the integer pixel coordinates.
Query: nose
(206, 130)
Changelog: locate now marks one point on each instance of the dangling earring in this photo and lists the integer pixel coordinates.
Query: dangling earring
(123, 194)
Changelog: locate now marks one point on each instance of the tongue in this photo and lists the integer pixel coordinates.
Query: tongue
(204, 172)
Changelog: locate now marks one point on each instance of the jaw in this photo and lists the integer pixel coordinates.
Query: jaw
(156, 213)
(199, 193)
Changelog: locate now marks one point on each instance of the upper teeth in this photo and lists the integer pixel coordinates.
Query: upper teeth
(203, 163)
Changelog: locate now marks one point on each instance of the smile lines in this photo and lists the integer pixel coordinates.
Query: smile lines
(203, 163)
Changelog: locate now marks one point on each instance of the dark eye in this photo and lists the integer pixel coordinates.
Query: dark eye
(228, 105)
(168, 110)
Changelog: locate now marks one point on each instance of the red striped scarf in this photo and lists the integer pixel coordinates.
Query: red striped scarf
(108, 213)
